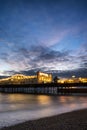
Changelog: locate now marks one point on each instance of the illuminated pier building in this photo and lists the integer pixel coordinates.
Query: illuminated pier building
(72, 80)
(22, 79)
(39, 78)
(44, 78)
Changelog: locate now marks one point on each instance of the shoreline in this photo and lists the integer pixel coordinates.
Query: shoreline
(74, 120)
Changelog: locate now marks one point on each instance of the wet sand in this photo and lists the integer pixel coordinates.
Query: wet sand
(76, 120)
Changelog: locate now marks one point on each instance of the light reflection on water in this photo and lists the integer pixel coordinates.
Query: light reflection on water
(14, 102)
(21, 107)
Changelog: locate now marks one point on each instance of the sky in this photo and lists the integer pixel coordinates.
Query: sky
(43, 35)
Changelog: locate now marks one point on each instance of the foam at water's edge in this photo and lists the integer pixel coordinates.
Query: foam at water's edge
(12, 118)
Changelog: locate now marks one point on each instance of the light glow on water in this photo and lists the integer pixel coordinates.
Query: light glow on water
(16, 108)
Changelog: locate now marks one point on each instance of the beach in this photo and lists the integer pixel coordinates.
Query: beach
(75, 120)
(42, 112)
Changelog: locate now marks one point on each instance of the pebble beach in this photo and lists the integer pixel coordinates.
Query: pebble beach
(75, 120)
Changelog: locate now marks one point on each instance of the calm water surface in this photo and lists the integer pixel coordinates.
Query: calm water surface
(15, 108)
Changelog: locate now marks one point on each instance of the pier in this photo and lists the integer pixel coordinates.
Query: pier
(48, 89)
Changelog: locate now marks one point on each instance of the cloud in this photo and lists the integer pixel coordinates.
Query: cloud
(24, 60)
(81, 72)
(81, 55)
(65, 63)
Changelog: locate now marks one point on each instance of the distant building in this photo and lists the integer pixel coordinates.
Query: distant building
(23, 79)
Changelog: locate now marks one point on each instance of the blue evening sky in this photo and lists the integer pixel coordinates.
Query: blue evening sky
(45, 35)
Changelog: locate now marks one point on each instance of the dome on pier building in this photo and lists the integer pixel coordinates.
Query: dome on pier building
(18, 76)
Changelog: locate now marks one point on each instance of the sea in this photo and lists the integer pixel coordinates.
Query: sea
(18, 108)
